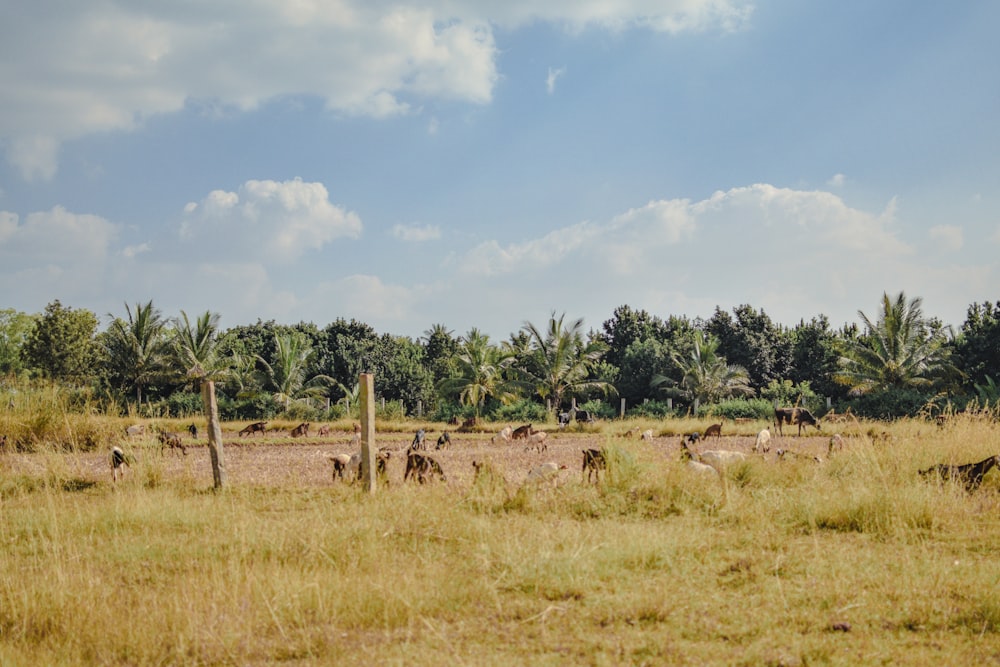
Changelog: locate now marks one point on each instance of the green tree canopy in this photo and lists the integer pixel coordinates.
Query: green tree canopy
(15, 327)
(479, 372)
(62, 345)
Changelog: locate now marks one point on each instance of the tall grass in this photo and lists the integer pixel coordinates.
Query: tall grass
(854, 561)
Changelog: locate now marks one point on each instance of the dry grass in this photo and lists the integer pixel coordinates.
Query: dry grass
(853, 561)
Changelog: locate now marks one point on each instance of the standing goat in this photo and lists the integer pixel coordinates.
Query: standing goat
(593, 462)
(970, 474)
(119, 462)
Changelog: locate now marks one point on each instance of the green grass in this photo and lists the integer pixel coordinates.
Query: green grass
(651, 566)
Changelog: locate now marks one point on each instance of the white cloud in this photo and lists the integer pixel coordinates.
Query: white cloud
(132, 251)
(550, 80)
(269, 220)
(416, 233)
(837, 181)
(97, 67)
(947, 237)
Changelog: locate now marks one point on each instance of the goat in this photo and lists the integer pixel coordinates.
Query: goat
(250, 429)
(792, 416)
(537, 441)
(762, 445)
(647, 435)
(119, 462)
(692, 438)
(422, 467)
(521, 432)
(323, 430)
(593, 462)
(544, 472)
(714, 429)
(3, 441)
(696, 466)
(349, 466)
(720, 459)
(836, 442)
(419, 440)
(798, 455)
(505, 434)
(171, 440)
(340, 464)
(302, 430)
(970, 474)
(444, 440)
(193, 430)
(135, 429)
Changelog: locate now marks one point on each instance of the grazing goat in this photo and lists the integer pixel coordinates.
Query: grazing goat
(537, 442)
(521, 432)
(340, 464)
(836, 442)
(545, 472)
(419, 440)
(171, 440)
(323, 430)
(119, 462)
(593, 463)
(793, 416)
(970, 474)
(300, 431)
(444, 440)
(193, 430)
(695, 466)
(349, 466)
(720, 459)
(135, 429)
(762, 445)
(693, 438)
(250, 429)
(422, 467)
(714, 429)
(647, 435)
(798, 455)
(505, 434)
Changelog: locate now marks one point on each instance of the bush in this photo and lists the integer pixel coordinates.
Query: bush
(521, 411)
(889, 404)
(183, 404)
(788, 393)
(652, 409)
(391, 411)
(752, 408)
(599, 409)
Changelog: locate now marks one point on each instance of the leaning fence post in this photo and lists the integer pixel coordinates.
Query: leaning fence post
(366, 384)
(623, 409)
(214, 433)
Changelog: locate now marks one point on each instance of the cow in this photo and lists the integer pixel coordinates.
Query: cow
(583, 416)
(302, 430)
(564, 419)
(792, 416)
(250, 429)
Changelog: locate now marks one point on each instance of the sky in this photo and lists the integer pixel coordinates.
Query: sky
(487, 164)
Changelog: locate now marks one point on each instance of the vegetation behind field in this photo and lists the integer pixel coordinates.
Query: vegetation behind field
(855, 561)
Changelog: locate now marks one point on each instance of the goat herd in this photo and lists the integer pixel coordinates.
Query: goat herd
(422, 466)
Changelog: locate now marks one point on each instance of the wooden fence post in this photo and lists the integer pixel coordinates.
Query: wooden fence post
(366, 383)
(214, 433)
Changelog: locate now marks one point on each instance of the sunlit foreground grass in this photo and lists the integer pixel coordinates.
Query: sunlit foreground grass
(856, 561)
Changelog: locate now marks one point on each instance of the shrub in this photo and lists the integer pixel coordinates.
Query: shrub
(889, 404)
(753, 408)
(599, 409)
(787, 393)
(651, 409)
(521, 411)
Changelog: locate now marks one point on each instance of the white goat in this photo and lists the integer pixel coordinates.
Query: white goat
(505, 434)
(118, 463)
(545, 472)
(720, 459)
(695, 466)
(536, 441)
(647, 435)
(762, 444)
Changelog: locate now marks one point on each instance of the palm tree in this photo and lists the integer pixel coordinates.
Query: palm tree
(479, 372)
(705, 376)
(559, 360)
(138, 350)
(286, 376)
(900, 349)
(196, 349)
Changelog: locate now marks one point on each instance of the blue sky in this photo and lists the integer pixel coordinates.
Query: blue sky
(481, 164)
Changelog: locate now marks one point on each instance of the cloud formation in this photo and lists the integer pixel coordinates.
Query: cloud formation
(98, 67)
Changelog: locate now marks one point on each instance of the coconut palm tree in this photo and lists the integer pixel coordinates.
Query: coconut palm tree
(900, 349)
(705, 376)
(196, 348)
(558, 359)
(479, 372)
(285, 375)
(138, 349)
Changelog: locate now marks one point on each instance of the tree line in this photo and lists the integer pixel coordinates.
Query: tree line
(898, 362)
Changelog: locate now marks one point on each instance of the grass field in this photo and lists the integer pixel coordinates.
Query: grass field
(857, 560)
